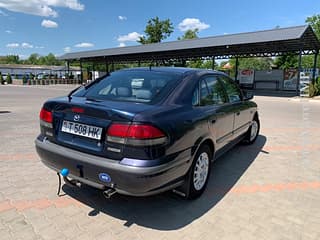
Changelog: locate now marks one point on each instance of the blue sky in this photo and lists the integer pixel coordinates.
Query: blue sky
(60, 26)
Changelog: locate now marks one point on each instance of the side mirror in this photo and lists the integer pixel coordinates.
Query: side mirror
(247, 95)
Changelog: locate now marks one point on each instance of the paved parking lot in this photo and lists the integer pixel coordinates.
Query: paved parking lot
(270, 190)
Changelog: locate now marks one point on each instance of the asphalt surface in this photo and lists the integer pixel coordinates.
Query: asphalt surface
(269, 190)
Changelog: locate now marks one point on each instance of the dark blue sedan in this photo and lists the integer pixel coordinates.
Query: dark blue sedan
(143, 131)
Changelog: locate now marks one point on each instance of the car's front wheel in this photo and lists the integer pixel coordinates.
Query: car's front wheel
(199, 172)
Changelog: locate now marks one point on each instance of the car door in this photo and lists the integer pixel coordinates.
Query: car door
(242, 115)
(214, 103)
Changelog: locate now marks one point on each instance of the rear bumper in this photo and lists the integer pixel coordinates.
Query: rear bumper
(129, 180)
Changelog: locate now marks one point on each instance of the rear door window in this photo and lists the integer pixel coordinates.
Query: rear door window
(211, 92)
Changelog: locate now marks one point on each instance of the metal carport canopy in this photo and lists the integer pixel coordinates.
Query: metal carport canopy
(274, 42)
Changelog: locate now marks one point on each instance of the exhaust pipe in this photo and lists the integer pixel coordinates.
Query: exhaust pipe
(109, 192)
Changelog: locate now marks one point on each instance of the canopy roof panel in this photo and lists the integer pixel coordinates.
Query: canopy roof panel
(272, 42)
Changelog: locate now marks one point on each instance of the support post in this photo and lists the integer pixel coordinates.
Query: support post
(236, 73)
(299, 70)
(93, 71)
(81, 72)
(112, 69)
(139, 63)
(107, 67)
(68, 70)
(315, 67)
(213, 60)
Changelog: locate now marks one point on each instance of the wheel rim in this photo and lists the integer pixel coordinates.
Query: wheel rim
(201, 171)
(254, 130)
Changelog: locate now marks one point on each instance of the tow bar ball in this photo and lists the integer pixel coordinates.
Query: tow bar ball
(64, 172)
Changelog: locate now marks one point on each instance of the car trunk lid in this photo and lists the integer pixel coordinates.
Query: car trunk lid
(82, 123)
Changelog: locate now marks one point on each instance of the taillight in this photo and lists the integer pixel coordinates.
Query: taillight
(135, 134)
(46, 121)
(144, 132)
(46, 115)
(118, 130)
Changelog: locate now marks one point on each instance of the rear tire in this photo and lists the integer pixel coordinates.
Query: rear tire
(253, 131)
(199, 172)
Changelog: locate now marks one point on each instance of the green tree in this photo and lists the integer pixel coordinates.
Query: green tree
(308, 61)
(9, 79)
(314, 21)
(12, 59)
(287, 61)
(198, 63)
(24, 79)
(1, 79)
(50, 59)
(156, 31)
(256, 63)
(189, 34)
(33, 59)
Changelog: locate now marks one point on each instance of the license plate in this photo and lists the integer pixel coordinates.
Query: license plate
(82, 130)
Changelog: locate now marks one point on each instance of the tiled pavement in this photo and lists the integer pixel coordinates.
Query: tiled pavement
(270, 190)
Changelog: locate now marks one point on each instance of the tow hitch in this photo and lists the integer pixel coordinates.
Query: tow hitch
(107, 193)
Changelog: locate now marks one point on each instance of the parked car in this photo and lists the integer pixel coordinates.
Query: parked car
(143, 131)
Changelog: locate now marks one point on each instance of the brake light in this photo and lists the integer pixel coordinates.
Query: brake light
(118, 130)
(77, 110)
(46, 115)
(144, 132)
(135, 134)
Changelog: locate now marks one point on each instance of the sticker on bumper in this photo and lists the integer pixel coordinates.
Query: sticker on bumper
(104, 177)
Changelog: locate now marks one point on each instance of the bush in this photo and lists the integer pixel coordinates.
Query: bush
(1, 79)
(9, 79)
(315, 88)
(24, 79)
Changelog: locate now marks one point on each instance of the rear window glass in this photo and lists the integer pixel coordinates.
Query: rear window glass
(134, 86)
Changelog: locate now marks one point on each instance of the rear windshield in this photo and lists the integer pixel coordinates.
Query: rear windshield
(134, 86)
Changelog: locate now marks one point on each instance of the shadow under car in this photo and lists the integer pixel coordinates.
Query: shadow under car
(168, 211)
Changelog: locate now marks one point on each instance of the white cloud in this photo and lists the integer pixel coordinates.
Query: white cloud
(39, 47)
(130, 37)
(122, 18)
(122, 44)
(13, 45)
(192, 24)
(67, 49)
(26, 45)
(49, 24)
(8, 31)
(84, 45)
(40, 7)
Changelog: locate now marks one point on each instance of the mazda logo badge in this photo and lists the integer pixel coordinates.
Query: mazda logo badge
(76, 117)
